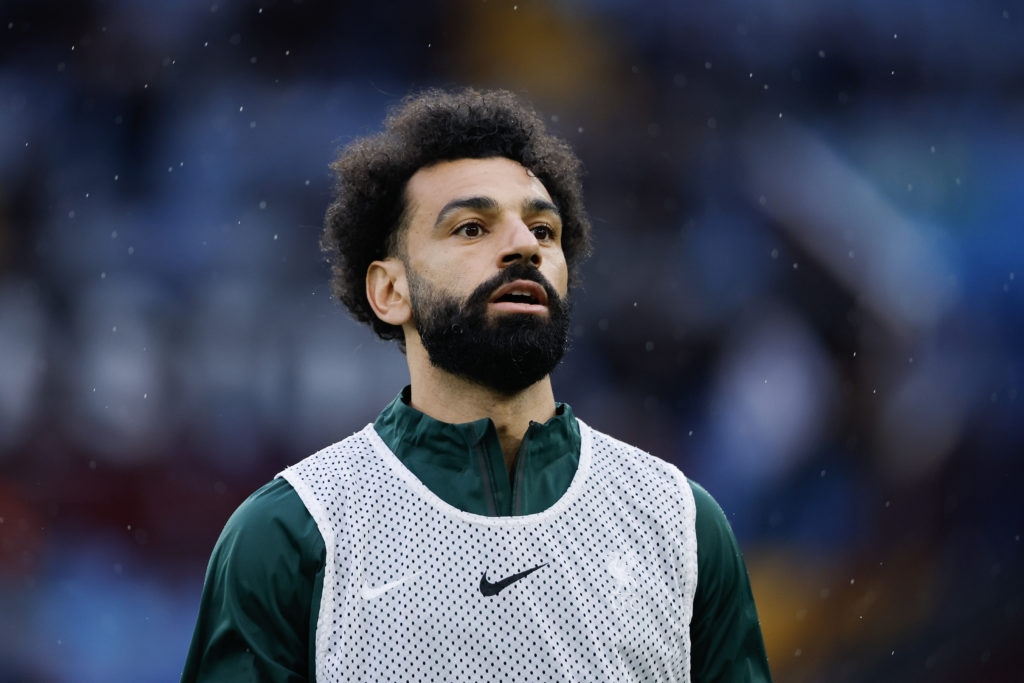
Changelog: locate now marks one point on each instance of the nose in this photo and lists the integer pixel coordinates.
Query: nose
(521, 245)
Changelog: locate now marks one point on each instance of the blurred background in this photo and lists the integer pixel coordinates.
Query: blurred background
(807, 292)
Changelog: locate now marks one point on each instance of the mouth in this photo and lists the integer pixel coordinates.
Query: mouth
(520, 296)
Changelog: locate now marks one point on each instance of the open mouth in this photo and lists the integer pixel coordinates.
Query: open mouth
(520, 295)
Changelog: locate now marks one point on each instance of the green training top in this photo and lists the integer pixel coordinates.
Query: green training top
(258, 612)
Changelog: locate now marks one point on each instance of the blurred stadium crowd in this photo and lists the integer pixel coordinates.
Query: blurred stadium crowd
(806, 292)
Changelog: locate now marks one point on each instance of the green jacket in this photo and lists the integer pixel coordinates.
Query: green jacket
(259, 607)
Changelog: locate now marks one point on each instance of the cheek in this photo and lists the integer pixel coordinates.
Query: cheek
(558, 275)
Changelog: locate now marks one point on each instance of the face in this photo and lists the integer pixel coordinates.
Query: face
(486, 273)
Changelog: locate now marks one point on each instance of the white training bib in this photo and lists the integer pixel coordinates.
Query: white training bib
(599, 587)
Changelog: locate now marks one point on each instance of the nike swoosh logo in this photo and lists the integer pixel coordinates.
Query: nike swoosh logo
(370, 592)
(489, 589)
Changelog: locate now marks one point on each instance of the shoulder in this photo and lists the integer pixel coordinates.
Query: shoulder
(610, 452)
(272, 517)
(339, 461)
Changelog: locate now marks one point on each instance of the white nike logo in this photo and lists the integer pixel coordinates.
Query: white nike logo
(370, 592)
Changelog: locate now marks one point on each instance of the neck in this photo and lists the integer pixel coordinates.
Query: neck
(453, 399)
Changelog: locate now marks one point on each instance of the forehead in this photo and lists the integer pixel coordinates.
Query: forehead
(507, 181)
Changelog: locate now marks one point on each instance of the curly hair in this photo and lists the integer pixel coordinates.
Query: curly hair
(364, 222)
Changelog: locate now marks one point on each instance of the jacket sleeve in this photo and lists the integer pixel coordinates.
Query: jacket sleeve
(725, 634)
(257, 611)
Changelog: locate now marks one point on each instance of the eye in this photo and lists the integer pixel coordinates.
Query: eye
(543, 232)
(470, 229)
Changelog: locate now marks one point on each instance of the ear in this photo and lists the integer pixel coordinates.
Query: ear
(387, 290)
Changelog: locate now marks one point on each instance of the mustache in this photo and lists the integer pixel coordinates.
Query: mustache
(517, 271)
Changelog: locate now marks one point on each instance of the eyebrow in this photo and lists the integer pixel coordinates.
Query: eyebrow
(538, 205)
(490, 205)
(487, 204)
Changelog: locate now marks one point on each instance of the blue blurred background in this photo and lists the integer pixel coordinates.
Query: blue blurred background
(806, 292)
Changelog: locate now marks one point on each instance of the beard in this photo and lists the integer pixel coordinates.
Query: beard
(507, 353)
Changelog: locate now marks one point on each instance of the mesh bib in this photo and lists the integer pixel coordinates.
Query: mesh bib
(598, 587)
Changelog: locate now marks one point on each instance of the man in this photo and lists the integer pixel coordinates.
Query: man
(476, 531)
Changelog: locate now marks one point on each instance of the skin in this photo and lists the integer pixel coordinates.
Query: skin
(456, 245)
